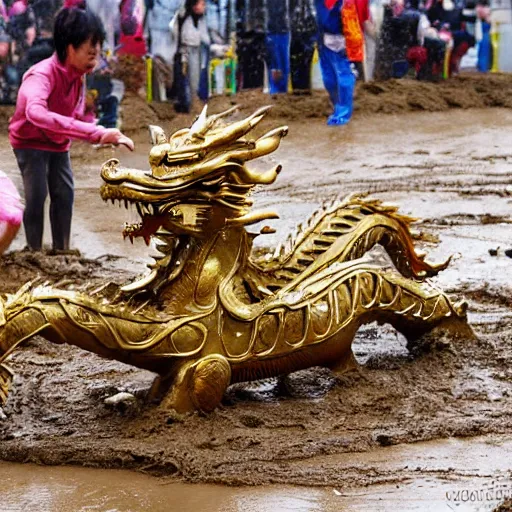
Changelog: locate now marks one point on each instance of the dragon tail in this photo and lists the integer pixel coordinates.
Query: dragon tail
(355, 226)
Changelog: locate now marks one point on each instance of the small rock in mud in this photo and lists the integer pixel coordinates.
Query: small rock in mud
(120, 398)
(251, 421)
(122, 402)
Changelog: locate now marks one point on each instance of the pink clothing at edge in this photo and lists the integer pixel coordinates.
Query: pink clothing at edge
(50, 109)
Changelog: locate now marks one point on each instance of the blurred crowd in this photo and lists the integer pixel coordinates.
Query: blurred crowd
(198, 47)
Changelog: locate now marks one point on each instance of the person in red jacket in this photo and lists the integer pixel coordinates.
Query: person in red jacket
(131, 38)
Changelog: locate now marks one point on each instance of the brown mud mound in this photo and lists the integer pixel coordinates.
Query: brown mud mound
(393, 96)
(470, 90)
(19, 267)
(465, 91)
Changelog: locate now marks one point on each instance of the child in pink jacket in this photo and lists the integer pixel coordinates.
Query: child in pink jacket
(49, 114)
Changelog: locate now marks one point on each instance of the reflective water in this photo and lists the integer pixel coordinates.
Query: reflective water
(465, 475)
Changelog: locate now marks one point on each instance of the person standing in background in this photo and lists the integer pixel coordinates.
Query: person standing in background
(336, 71)
(278, 45)
(189, 36)
(250, 43)
(483, 13)
(159, 14)
(366, 26)
(302, 47)
(445, 16)
(131, 29)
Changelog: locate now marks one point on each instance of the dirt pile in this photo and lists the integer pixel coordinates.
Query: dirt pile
(469, 90)
(393, 96)
(465, 91)
(19, 267)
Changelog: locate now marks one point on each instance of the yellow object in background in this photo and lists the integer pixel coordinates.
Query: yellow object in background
(316, 73)
(217, 76)
(446, 63)
(149, 79)
(495, 37)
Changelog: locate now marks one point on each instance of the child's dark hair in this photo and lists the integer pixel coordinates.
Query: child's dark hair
(74, 27)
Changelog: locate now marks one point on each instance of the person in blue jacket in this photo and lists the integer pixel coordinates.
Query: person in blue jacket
(339, 80)
(484, 63)
(278, 45)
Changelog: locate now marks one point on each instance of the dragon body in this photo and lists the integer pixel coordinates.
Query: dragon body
(208, 313)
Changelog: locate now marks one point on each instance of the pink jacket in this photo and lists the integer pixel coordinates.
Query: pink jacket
(50, 109)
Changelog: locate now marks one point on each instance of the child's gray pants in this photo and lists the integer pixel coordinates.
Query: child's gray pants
(43, 172)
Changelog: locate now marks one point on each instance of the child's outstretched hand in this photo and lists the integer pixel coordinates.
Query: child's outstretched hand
(114, 136)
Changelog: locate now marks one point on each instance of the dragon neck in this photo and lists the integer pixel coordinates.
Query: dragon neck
(204, 263)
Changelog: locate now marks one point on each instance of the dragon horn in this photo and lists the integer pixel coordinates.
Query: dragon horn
(263, 146)
(204, 124)
(157, 135)
(213, 119)
(200, 125)
(236, 130)
(216, 117)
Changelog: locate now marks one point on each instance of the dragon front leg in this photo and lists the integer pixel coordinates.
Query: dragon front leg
(199, 385)
(60, 316)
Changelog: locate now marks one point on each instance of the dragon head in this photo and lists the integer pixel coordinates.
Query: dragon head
(198, 180)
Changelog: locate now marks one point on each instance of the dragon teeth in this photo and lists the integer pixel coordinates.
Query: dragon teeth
(143, 209)
(164, 232)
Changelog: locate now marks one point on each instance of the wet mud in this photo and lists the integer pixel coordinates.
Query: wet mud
(391, 97)
(452, 169)
(28, 487)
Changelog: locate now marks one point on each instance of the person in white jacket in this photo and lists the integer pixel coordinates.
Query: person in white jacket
(159, 15)
(190, 35)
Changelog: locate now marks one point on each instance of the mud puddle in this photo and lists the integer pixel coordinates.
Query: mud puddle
(455, 475)
(451, 169)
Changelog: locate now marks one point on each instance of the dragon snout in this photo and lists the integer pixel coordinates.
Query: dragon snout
(110, 170)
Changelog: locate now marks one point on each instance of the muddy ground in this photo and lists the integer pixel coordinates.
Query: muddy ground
(452, 168)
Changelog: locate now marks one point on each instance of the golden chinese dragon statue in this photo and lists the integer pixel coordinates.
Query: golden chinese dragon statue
(209, 313)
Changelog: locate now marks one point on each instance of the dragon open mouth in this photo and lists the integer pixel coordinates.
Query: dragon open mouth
(152, 218)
